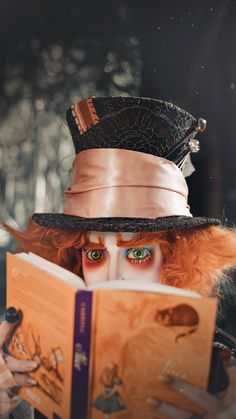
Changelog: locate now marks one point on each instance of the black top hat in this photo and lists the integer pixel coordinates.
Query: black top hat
(122, 135)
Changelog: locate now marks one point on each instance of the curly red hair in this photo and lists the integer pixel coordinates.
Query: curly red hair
(194, 259)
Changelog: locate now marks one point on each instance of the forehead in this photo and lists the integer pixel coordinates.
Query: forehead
(108, 237)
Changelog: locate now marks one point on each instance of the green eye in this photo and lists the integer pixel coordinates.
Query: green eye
(138, 254)
(94, 255)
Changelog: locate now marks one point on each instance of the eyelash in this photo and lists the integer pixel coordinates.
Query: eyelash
(139, 261)
(88, 252)
(128, 252)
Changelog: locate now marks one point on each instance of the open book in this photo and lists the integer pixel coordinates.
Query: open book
(101, 349)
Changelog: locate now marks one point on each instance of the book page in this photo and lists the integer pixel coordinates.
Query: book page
(143, 286)
(54, 269)
(140, 336)
(45, 333)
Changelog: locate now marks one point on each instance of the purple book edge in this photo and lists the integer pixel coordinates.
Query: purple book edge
(81, 355)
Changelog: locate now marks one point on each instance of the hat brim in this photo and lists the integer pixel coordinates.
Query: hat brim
(116, 224)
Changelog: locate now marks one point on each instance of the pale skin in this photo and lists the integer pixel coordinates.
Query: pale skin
(102, 260)
(18, 368)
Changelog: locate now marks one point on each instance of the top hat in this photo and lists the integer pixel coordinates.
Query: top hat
(128, 173)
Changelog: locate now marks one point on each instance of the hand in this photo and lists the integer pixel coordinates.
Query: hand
(221, 407)
(13, 371)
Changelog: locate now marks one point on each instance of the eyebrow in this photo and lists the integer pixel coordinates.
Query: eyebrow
(89, 245)
(94, 245)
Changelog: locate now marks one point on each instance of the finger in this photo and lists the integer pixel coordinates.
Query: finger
(229, 397)
(208, 403)
(231, 371)
(230, 413)
(16, 365)
(6, 330)
(7, 380)
(24, 380)
(168, 410)
(7, 327)
(230, 367)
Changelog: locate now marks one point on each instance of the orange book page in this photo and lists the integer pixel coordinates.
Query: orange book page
(141, 335)
(45, 334)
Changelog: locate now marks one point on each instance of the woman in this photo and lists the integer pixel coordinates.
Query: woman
(126, 216)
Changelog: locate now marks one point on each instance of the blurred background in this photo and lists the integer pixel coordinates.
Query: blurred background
(56, 52)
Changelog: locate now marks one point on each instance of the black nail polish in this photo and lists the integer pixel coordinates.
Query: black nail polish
(12, 316)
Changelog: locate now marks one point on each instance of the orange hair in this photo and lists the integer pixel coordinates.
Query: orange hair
(195, 259)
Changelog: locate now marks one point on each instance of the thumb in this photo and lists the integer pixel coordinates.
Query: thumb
(230, 367)
(8, 325)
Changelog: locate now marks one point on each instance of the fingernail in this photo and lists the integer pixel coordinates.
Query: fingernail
(226, 355)
(12, 315)
(32, 364)
(31, 381)
(153, 402)
(165, 378)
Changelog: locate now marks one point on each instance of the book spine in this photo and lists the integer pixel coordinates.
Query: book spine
(81, 355)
